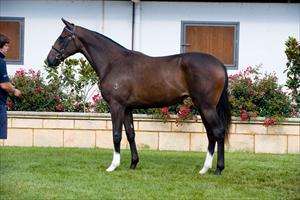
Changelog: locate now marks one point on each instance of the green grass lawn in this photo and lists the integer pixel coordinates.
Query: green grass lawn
(71, 173)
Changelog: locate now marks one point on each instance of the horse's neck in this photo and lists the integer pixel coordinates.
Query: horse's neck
(99, 51)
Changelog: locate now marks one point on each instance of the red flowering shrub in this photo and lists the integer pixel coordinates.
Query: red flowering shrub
(66, 88)
(164, 110)
(37, 94)
(165, 115)
(59, 108)
(10, 104)
(269, 122)
(99, 104)
(253, 94)
(186, 110)
(96, 98)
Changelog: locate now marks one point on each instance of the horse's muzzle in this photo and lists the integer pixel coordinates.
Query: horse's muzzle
(53, 62)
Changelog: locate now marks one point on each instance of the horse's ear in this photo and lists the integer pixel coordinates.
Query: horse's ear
(68, 24)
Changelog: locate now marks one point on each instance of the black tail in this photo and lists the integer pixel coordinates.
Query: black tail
(224, 108)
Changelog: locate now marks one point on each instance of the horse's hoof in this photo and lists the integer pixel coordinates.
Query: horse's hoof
(204, 170)
(112, 168)
(218, 172)
(132, 166)
(134, 163)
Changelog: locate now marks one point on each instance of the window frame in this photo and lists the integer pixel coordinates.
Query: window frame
(21, 21)
(235, 25)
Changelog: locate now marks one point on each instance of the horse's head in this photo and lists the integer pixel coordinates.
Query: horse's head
(64, 46)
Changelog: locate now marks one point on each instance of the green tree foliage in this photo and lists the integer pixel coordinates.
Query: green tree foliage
(293, 69)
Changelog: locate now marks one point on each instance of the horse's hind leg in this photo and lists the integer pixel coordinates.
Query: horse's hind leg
(209, 156)
(220, 163)
(117, 115)
(129, 128)
(215, 132)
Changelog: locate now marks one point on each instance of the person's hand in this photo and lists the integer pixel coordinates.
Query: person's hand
(17, 93)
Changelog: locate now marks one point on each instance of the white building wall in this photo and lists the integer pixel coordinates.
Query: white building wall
(263, 27)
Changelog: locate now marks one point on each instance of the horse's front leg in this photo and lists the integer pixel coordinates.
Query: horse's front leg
(128, 124)
(117, 115)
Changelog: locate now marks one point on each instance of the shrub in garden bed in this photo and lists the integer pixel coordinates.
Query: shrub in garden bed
(254, 94)
(37, 94)
(77, 80)
(64, 89)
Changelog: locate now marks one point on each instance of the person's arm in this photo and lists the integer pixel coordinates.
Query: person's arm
(8, 87)
(4, 81)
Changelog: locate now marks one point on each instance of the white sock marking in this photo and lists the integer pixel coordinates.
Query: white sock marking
(115, 162)
(207, 164)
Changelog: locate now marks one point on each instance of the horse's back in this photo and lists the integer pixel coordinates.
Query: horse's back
(201, 60)
(195, 61)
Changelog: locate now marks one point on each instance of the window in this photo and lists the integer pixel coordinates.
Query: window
(13, 27)
(216, 38)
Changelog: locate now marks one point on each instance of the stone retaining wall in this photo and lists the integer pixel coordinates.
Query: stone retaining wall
(45, 129)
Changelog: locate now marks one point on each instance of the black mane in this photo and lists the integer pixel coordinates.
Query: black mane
(104, 37)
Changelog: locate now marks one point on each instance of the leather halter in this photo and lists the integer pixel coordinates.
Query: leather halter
(61, 56)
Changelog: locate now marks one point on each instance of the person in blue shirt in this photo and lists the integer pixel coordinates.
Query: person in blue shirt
(5, 86)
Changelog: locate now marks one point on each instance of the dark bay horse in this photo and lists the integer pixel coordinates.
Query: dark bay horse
(129, 79)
